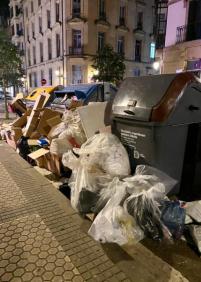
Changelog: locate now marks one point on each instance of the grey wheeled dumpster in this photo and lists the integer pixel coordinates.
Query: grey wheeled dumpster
(158, 119)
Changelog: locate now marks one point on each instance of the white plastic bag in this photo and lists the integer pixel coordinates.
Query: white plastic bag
(105, 151)
(113, 223)
(59, 146)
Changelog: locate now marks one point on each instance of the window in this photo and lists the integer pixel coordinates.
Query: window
(17, 29)
(41, 52)
(40, 25)
(101, 40)
(76, 8)
(11, 12)
(33, 30)
(122, 15)
(136, 72)
(49, 43)
(76, 74)
(50, 76)
(26, 12)
(39, 2)
(29, 57)
(57, 10)
(17, 11)
(120, 45)
(34, 55)
(152, 50)
(58, 45)
(48, 19)
(35, 79)
(138, 50)
(140, 20)
(12, 30)
(76, 41)
(32, 7)
(102, 9)
(27, 33)
(41, 74)
(30, 80)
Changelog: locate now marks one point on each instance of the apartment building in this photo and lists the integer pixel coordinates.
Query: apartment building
(182, 51)
(62, 36)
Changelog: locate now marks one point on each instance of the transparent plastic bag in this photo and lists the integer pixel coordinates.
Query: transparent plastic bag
(105, 151)
(59, 146)
(114, 224)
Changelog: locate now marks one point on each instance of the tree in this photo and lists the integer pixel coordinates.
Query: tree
(10, 66)
(109, 64)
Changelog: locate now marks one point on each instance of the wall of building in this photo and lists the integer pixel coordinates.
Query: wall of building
(177, 16)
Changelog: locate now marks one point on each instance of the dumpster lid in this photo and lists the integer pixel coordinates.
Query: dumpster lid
(150, 98)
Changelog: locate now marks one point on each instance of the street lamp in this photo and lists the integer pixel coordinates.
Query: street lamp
(156, 66)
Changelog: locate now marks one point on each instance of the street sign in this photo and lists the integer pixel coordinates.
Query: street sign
(43, 81)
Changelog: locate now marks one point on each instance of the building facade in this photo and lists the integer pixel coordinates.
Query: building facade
(60, 37)
(182, 51)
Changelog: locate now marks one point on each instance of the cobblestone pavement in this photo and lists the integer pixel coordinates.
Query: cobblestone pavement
(40, 239)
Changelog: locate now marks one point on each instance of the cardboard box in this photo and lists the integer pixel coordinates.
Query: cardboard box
(19, 105)
(21, 122)
(39, 102)
(39, 157)
(16, 132)
(35, 135)
(32, 142)
(44, 127)
(54, 121)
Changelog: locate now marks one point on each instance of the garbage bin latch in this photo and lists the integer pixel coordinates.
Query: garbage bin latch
(130, 107)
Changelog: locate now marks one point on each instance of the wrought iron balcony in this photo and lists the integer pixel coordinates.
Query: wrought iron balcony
(76, 51)
(188, 32)
(20, 32)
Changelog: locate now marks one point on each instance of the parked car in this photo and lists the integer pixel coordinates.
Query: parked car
(92, 92)
(31, 98)
(8, 95)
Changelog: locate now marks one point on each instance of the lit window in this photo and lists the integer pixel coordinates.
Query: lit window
(152, 50)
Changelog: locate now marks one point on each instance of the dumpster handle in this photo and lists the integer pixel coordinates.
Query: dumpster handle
(129, 112)
(193, 108)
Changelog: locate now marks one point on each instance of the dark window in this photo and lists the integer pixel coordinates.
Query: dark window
(32, 7)
(101, 40)
(76, 8)
(41, 74)
(39, 2)
(11, 12)
(120, 45)
(58, 45)
(50, 76)
(48, 19)
(76, 74)
(17, 29)
(40, 25)
(34, 55)
(17, 11)
(57, 10)
(122, 15)
(102, 14)
(35, 79)
(30, 80)
(29, 57)
(27, 33)
(33, 30)
(138, 50)
(13, 30)
(140, 20)
(41, 52)
(76, 38)
(49, 41)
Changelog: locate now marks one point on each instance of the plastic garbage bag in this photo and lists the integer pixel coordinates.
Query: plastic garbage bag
(105, 151)
(173, 216)
(59, 146)
(146, 178)
(114, 224)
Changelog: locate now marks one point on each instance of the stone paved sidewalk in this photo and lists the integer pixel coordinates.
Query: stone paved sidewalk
(41, 240)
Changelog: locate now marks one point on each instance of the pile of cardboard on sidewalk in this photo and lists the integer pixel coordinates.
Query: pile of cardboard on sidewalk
(42, 135)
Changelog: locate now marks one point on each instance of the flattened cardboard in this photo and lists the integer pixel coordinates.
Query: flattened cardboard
(39, 153)
(35, 135)
(92, 125)
(21, 122)
(16, 132)
(39, 102)
(54, 121)
(32, 142)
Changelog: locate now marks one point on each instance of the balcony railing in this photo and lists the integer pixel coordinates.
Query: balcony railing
(20, 32)
(76, 50)
(102, 16)
(188, 32)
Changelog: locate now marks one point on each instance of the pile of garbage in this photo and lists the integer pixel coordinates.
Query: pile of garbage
(41, 135)
(128, 207)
